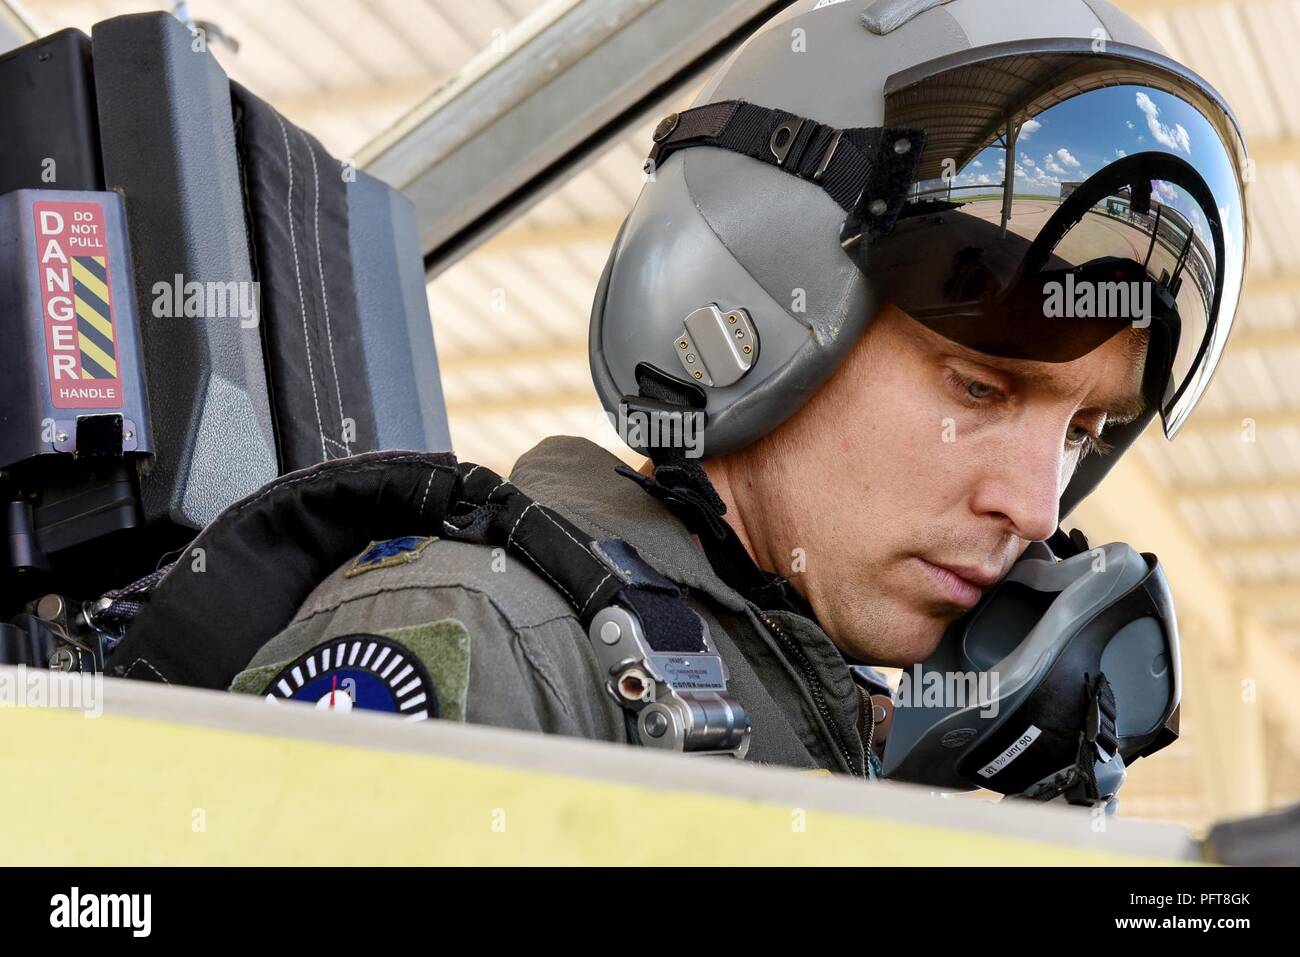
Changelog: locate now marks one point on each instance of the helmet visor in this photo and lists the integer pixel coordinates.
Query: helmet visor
(1062, 196)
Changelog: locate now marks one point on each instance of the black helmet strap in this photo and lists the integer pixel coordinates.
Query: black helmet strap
(683, 486)
(866, 170)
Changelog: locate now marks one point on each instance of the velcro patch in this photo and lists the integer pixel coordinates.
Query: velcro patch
(443, 647)
(392, 551)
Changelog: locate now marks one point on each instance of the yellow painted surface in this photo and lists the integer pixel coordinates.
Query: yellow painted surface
(126, 790)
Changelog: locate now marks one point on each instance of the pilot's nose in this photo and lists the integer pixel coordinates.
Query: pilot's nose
(1022, 488)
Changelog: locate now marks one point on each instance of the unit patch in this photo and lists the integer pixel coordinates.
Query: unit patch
(359, 671)
(421, 671)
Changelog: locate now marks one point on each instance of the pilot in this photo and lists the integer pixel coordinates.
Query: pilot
(899, 290)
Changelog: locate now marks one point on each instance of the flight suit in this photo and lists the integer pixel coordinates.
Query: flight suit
(505, 648)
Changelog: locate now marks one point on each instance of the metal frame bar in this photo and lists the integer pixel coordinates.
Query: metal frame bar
(14, 28)
(574, 76)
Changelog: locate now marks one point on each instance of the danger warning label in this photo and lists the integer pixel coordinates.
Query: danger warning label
(77, 305)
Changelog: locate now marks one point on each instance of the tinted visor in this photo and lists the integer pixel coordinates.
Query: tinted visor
(1061, 197)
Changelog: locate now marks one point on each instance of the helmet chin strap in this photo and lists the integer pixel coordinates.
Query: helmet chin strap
(683, 486)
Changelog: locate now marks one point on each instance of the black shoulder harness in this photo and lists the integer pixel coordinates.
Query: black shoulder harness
(200, 624)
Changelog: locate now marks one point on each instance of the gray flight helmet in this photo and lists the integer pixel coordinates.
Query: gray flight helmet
(713, 227)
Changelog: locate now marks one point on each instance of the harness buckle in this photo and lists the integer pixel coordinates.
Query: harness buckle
(680, 699)
(783, 138)
(827, 155)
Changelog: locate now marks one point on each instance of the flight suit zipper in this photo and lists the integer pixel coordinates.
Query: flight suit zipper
(814, 688)
(867, 725)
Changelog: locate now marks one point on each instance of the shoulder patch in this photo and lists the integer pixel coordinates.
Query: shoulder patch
(392, 551)
(369, 672)
(417, 672)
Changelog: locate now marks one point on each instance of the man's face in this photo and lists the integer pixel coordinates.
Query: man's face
(917, 475)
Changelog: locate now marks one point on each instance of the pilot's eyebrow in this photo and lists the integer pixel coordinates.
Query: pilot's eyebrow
(1120, 411)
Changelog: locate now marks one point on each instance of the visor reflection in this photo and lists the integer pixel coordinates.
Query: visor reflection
(1117, 205)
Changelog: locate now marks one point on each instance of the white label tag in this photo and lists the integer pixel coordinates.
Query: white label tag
(826, 3)
(1018, 747)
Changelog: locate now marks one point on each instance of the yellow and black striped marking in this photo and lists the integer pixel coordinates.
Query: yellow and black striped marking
(94, 318)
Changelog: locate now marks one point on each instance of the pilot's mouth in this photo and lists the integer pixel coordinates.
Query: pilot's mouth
(959, 585)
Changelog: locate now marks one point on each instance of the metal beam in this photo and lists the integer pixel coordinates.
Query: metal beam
(1261, 543)
(1265, 340)
(1263, 599)
(1267, 683)
(1233, 764)
(14, 28)
(1145, 8)
(569, 78)
(516, 404)
(1253, 549)
(575, 351)
(1273, 151)
(359, 99)
(514, 240)
(1236, 421)
(1133, 505)
(1212, 488)
(1285, 283)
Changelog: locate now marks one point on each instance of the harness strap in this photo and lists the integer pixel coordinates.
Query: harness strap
(243, 578)
(591, 574)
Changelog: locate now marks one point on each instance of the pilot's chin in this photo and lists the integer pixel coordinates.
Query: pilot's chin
(918, 646)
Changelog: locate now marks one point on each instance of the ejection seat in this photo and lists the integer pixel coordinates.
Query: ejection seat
(145, 201)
